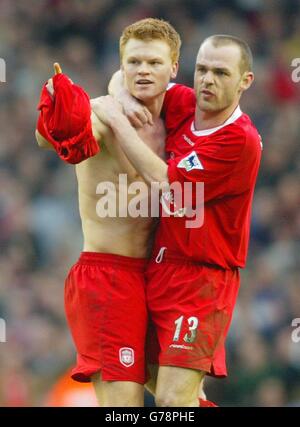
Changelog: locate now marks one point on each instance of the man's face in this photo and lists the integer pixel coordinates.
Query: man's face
(147, 68)
(217, 80)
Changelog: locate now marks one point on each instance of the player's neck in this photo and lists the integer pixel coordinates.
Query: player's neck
(155, 106)
(207, 120)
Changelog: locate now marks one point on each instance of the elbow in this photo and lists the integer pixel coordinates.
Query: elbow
(39, 139)
(42, 143)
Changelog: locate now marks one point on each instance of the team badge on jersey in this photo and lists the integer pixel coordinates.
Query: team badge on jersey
(126, 356)
(190, 162)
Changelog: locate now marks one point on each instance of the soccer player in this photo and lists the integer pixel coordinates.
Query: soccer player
(105, 290)
(193, 278)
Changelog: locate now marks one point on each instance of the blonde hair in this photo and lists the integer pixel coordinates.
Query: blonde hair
(152, 29)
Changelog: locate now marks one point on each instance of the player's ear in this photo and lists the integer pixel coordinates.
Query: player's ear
(247, 80)
(174, 71)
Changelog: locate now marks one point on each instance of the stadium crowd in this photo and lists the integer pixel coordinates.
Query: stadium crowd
(40, 233)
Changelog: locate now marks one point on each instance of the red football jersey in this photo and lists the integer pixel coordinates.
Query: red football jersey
(226, 160)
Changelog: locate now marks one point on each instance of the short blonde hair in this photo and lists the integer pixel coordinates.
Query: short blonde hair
(152, 29)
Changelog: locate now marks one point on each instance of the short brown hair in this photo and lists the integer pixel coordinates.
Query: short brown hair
(152, 29)
(246, 61)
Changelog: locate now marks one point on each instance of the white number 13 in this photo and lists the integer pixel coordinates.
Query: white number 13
(193, 324)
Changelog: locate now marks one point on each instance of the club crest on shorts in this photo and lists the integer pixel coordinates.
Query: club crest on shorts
(126, 356)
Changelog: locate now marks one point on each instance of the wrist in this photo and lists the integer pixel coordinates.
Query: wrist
(122, 94)
(119, 121)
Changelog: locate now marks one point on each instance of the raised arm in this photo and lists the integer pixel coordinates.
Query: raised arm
(42, 141)
(145, 161)
(218, 163)
(66, 121)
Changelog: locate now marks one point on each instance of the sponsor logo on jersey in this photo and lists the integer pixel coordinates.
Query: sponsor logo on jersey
(126, 356)
(190, 162)
(188, 140)
(182, 346)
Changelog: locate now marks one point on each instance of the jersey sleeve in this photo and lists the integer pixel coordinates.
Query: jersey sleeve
(179, 104)
(221, 164)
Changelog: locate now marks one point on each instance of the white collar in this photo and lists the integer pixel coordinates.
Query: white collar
(234, 116)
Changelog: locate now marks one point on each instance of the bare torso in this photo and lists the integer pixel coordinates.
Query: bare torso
(118, 233)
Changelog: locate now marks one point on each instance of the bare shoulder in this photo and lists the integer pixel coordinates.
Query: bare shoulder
(101, 131)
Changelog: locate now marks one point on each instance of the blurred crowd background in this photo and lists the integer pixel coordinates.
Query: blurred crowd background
(40, 233)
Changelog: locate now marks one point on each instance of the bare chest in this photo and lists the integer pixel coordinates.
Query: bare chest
(111, 162)
(154, 136)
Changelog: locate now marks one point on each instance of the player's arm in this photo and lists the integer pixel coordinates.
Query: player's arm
(179, 101)
(97, 126)
(42, 142)
(99, 129)
(145, 161)
(66, 122)
(218, 164)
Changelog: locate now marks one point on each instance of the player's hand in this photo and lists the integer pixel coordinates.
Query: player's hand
(107, 109)
(49, 85)
(137, 113)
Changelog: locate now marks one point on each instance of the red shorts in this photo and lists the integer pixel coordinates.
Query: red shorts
(106, 311)
(191, 307)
